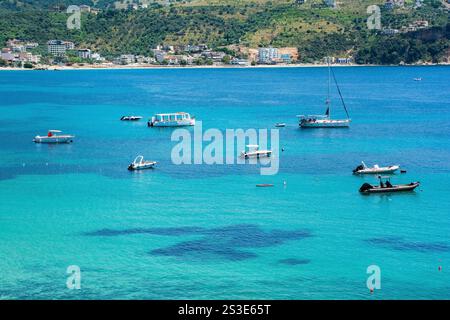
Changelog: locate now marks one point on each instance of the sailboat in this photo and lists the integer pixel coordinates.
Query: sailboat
(326, 121)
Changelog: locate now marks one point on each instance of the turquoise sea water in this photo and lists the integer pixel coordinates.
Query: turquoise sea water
(206, 232)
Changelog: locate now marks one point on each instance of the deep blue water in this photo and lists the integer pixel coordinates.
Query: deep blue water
(206, 231)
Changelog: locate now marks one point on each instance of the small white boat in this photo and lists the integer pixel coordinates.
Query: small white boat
(177, 119)
(254, 152)
(54, 136)
(417, 79)
(363, 169)
(140, 164)
(131, 118)
(280, 125)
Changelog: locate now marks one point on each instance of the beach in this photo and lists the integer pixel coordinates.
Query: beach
(151, 66)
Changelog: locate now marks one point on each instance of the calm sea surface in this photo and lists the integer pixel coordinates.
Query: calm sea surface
(206, 231)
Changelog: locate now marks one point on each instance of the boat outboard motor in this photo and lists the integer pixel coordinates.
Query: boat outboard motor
(366, 186)
(131, 167)
(360, 167)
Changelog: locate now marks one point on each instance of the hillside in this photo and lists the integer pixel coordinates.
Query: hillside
(316, 29)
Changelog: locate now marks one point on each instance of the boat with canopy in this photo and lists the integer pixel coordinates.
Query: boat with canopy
(54, 136)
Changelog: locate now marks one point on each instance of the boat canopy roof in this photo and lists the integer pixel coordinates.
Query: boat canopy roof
(252, 146)
(138, 159)
(171, 114)
(55, 131)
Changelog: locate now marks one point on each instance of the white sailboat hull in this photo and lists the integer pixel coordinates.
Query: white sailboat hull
(325, 123)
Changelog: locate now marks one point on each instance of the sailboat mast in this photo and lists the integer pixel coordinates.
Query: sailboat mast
(329, 86)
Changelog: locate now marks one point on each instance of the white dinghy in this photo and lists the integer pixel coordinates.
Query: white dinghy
(254, 152)
(363, 169)
(140, 164)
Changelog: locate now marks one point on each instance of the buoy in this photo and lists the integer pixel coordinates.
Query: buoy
(371, 290)
(282, 149)
(440, 268)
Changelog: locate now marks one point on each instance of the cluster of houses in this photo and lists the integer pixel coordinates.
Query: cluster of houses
(202, 54)
(18, 52)
(416, 25)
(172, 55)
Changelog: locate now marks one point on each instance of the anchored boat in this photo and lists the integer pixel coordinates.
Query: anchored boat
(177, 119)
(131, 118)
(385, 186)
(326, 121)
(140, 164)
(54, 136)
(254, 152)
(363, 169)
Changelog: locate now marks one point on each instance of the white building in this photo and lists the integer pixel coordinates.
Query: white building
(84, 53)
(59, 47)
(267, 55)
(127, 59)
(97, 57)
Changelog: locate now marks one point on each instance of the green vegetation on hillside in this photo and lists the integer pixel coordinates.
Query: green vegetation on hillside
(314, 28)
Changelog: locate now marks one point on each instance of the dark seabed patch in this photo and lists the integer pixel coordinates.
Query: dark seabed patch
(224, 242)
(294, 262)
(398, 243)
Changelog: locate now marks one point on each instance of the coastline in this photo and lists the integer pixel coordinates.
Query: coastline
(154, 67)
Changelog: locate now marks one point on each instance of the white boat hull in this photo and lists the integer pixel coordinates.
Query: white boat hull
(53, 139)
(149, 165)
(175, 123)
(256, 154)
(326, 123)
(383, 170)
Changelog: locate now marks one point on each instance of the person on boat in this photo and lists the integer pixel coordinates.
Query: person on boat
(381, 184)
(388, 184)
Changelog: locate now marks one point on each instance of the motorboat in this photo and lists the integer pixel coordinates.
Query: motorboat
(280, 125)
(131, 118)
(254, 152)
(363, 169)
(54, 136)
(140, 164)
(417, 79)
(325, 120)
(385, 186)
(177, 119)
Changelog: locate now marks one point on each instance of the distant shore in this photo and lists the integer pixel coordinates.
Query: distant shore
(149, 66)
